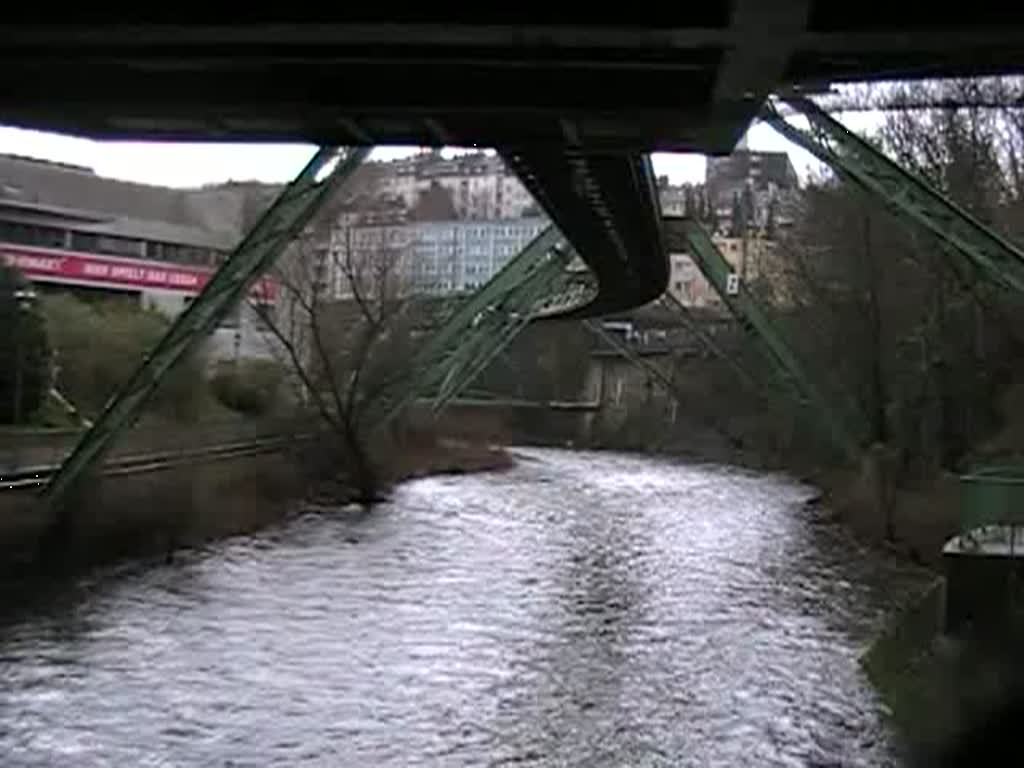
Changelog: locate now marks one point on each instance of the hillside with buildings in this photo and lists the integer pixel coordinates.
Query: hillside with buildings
(445, 224)
(448, 224)
(748, 201)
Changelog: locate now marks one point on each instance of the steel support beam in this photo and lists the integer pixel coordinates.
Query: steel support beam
(270, 236)
(536, 283)
(594, 326)
(681, 311)
(686, 235)
(863, 164)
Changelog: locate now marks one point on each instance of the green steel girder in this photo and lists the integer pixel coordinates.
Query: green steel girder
(866, 166)
(741, 302)
(623, 349)
(260, 248)
(528, 302)
(683, 313)
(536, 282)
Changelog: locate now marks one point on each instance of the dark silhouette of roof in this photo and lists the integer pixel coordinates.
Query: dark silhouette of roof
(211, 214)
(759, 168)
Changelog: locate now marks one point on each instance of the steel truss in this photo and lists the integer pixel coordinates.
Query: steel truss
(538, 282)
(743, 305)
(860, 162)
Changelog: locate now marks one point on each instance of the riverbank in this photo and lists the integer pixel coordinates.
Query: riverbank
(955, 698)
(954, 695)
(450, 456)
(915, 522)
(157, 513)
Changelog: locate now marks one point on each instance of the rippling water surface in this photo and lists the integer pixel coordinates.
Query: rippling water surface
(583, 609)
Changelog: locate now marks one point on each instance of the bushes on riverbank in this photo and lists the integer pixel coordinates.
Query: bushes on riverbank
(249, 387)
(98, 346)
(411, 452)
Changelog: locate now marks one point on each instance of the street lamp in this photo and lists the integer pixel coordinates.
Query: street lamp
(25, 299)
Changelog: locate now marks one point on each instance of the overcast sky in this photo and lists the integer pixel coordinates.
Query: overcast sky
(187, 165)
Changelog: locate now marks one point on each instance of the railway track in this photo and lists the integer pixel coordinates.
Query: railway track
(35, 477)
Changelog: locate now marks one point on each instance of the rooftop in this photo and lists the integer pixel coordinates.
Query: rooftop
(30, 180)
(215, 216)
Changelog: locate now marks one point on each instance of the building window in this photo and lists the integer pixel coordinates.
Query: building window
(232, 319)
(82, 241)
(28, 234)
(118, 246)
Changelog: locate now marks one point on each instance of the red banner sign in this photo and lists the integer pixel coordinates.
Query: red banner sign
(75, 268)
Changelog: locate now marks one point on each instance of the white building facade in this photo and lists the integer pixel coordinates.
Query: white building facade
(460, 256)
(431, 258)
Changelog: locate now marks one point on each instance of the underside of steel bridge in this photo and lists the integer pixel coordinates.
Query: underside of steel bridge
(677, 77)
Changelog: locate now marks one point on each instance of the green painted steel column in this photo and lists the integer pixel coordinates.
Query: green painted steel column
(992, 495)
(693, 326)
(257, 252)
(865, 165)
(623, 349)
(720, 274)
(533, 283)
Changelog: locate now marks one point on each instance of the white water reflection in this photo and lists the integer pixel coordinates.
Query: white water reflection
(583, 609)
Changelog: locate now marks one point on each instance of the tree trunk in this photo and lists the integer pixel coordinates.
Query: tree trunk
(879, 428)
(364, 476)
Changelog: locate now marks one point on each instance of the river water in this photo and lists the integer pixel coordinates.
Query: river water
(582, 609)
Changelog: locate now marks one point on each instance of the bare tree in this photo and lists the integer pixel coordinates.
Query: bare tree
(923, 344)
(340, 323)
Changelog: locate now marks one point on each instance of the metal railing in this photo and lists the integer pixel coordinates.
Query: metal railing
(992, 497)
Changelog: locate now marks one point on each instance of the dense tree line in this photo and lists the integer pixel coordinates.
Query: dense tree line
(98, 345)
(920, 345)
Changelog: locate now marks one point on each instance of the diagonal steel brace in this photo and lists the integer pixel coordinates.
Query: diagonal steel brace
(741, 302)
(532, 284)
(865, 165)
(257, 252)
